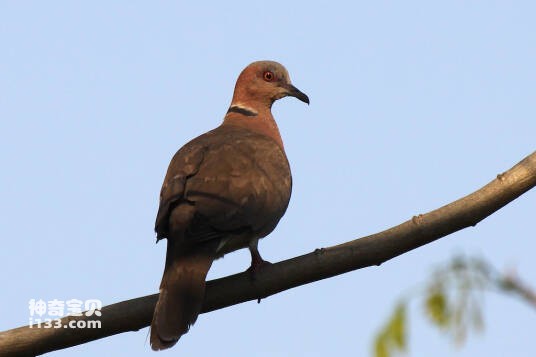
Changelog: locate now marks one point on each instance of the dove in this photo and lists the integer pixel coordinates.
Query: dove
(223, 191)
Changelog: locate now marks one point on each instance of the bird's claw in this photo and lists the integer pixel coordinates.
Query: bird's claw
(257, 266)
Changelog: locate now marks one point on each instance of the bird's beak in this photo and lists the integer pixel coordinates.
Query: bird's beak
(296, 93)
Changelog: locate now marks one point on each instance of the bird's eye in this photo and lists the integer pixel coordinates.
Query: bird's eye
(268, 76)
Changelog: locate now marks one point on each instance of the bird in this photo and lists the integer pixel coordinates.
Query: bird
(223, 191)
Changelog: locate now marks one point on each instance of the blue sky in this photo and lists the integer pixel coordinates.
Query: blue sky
(413, 105)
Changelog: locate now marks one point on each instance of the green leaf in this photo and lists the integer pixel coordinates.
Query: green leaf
(380, 347)
(398, 327)
(392, 338)
(437, 307)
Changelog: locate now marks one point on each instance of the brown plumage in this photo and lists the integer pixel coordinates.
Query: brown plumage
(223, 191)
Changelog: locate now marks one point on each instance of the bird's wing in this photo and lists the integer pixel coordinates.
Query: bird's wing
(226, 181)
(185, 163)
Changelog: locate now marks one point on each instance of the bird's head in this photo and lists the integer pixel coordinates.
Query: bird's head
(262, 83)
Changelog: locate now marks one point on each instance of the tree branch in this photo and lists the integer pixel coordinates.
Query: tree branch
(515, 285)
(132, 315)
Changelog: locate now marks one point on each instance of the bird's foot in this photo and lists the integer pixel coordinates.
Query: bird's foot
(257, 266)
(257, 263)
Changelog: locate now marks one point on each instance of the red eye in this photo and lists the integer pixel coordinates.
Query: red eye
(268, 76)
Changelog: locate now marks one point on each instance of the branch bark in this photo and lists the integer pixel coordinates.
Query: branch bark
(132, 315)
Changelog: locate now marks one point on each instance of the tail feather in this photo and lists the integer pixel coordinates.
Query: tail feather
(181, 294)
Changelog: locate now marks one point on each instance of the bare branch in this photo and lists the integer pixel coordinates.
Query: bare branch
(132, 315)
(514, 284)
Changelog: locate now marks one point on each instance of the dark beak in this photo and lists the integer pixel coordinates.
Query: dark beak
(296, 93)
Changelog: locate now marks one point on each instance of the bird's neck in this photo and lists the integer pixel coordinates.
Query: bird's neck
(259, 120)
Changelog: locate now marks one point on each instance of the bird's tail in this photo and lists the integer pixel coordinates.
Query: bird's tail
(182, 291)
